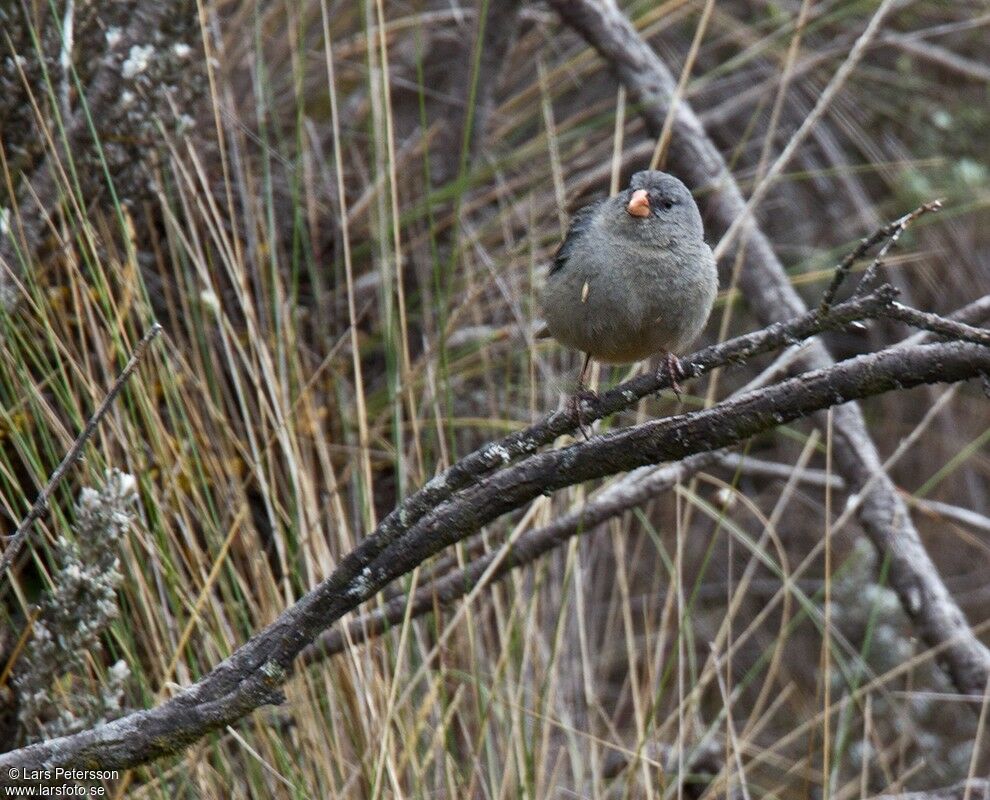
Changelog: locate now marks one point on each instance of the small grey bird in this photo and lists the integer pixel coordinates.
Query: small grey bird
(633, 277)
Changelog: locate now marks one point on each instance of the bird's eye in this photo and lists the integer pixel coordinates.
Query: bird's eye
(667, 203)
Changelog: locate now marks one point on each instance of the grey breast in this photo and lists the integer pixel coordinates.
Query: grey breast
(623, 299)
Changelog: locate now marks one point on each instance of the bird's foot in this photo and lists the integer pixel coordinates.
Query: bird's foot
(575, 407)
(672, 366)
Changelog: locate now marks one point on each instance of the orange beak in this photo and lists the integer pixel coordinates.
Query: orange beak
(639, 204)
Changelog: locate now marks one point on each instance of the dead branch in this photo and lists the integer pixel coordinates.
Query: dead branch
(632, 491)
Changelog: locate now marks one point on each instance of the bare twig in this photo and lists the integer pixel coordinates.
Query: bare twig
(16, 540)
(936, 509)
(896, 229)
(936, 324)
(890, 232)
(822, 103)
(943, 57)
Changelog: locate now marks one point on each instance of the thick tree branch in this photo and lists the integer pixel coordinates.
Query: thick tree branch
(634, 490)
(145, 735)
(674, 438)
(480, 463)
(695, 158)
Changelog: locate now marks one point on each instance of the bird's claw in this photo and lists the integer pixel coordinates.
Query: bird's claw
(576, 409)
(674, 371)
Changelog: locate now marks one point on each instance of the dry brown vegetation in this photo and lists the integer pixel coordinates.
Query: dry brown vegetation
(339, 212)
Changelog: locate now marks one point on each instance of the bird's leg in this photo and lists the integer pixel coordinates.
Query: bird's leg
(581, 394)
(675, 371)
(583, 374)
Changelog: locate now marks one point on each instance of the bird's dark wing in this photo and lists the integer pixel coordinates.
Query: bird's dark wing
(579, 224)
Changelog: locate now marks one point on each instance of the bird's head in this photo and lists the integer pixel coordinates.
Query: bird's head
(657, 204)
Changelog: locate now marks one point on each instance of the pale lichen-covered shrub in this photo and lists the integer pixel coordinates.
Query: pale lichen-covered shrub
(95, 92)
(57, 679)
